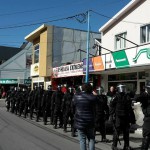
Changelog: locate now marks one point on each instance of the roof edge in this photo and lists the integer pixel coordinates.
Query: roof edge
(30, 36)
(119, 14)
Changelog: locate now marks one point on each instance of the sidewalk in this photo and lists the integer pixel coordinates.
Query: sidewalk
(135, 138)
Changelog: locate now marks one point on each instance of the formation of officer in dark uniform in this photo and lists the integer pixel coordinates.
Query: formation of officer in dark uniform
(39, 103)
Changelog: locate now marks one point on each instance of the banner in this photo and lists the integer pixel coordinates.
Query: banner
(95, 64)
(68, 70)
(120, 59)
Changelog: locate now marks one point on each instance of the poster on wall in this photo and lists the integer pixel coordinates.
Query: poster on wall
(95, 64)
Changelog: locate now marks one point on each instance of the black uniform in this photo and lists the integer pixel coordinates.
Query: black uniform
(68, 110)
(46, 105)
(40, 93)
(56, 104)
(102, 114)
(144, 98)
(120, 108)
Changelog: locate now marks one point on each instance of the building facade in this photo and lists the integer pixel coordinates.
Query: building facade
(54, 47)
(127, 58)
(16, 70)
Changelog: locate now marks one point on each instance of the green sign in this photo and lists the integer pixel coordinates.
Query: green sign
(120, 59)
(15, 81)
(27, 81)
(8, 81)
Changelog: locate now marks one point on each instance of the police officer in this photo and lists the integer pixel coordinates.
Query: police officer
(120, 108)
(33, 100)
(56, 104)
(144, 98)
(46, 102)
(102, 113)
(67, 108)
(40, 93)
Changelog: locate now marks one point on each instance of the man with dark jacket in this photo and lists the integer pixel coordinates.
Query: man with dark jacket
(84, 121)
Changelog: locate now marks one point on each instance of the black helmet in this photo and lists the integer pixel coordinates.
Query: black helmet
(147, 86)
(59, 87)
(121, 88)
(100, 90)
(70, 89)
(49, 88)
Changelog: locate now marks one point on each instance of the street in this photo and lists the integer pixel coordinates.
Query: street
(18, 134)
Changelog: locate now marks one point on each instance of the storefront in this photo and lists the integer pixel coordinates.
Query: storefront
(7, 83)
(130, 67)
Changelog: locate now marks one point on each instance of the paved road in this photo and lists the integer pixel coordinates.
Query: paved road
(28, 126)
(18, 134)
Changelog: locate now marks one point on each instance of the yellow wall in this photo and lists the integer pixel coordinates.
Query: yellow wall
(45, 55)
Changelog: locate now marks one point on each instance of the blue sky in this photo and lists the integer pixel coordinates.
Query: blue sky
(18, 18)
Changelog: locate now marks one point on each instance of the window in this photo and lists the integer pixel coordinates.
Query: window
(120, 42)
(145, 34)
(36, 54)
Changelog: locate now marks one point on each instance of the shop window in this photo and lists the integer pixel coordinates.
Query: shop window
(142, 75)
(36, 53)
(145, 34)
(125, 76)
(120, 42)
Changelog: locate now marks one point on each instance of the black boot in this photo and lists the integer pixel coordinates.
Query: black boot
(127, 148)
(114, 148)
(145, 143)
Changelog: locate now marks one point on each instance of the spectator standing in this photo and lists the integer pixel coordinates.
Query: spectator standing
(84, 103)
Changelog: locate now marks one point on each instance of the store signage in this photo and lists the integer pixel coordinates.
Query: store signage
(35, 69)
(8, 81)
(145, 50)
(95, 64)
(120, 59)
(68, 70)
(15, 81)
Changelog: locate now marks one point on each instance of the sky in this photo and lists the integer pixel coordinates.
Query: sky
(18, 18)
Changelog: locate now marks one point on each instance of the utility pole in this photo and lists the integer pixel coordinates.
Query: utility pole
(88, 45)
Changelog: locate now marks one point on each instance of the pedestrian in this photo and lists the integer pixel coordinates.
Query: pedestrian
(144, 98)
(120, 109)
(111, 92)
(84, 121)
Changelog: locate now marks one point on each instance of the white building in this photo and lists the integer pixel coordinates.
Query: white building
(127, 35)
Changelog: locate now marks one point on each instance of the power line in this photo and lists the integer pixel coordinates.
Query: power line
(115, 19)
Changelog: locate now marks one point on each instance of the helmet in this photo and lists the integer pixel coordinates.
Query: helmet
(100, 90)
(147, 86)
(49, 88)
(121, 88)
(70, 89)
(59, 87)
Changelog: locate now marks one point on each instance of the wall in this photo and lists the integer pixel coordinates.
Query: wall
(130, 24)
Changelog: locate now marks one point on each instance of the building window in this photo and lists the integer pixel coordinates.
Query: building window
(120, 43)
(36, 53)
(145, 34)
